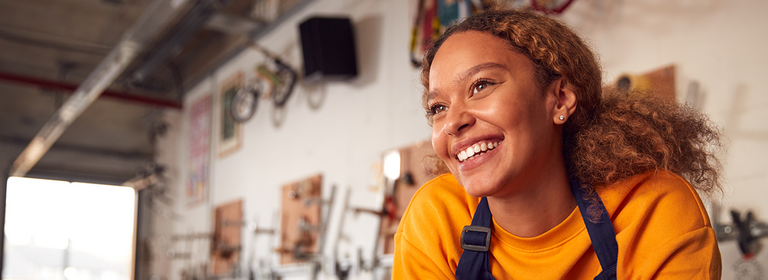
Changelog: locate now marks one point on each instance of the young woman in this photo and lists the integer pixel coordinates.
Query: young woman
(550, 177)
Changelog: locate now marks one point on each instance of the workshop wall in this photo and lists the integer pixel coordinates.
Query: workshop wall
(716, 43)
(354, 124)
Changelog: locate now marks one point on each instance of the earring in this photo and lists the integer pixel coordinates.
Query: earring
(561, 117)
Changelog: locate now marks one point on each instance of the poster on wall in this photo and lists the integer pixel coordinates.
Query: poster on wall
(199, 147)
(230, 131)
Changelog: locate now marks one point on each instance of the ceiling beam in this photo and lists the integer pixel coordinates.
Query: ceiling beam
(156, 16)
(120, 95)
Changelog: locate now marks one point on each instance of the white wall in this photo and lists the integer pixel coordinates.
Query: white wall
(720, 44)
(356, 123)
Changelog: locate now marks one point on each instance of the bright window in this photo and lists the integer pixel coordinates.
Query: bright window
(56, 230)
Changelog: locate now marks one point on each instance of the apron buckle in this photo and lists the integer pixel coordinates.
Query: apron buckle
(476, 238)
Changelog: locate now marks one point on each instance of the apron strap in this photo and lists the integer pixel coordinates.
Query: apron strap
(476, 240)
(600, 233)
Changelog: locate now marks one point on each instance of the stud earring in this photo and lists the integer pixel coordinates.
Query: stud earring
(561, 117)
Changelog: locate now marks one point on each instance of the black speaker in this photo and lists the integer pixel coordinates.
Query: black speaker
(328, 45)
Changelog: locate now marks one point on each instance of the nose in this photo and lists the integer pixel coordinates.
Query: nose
(457, 120)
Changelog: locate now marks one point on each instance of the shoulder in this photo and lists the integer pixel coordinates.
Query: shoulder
(441, 198)
(436, 210)
(662, 227)
(654, 209)
(427, 239)
(659, 195)
(442, 190)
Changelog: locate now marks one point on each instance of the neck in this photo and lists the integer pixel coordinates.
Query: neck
(538, 207)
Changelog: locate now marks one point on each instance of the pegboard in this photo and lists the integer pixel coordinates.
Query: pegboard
(300, 219)
(226, 243)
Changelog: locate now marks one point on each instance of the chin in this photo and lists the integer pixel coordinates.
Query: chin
(475, 194)
(476, 185)
(476, 190)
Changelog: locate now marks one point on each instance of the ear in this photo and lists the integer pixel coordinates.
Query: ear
(565, 101)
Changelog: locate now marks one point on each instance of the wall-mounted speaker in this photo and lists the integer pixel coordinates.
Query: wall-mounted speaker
(328, 45)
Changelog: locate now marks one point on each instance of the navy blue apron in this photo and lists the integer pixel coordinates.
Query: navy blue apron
(476, 240)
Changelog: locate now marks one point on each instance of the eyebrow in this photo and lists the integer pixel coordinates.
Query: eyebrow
(477, 68)
(431, 95)
(468, 73)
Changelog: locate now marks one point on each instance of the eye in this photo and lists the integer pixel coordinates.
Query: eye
(480, 85)
(437, 108)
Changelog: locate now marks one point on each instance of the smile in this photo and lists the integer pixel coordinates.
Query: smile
(476, 150)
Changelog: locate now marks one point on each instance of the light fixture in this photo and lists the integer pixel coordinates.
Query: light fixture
(392, 165)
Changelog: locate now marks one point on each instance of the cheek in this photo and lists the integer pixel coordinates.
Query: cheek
(439, 142)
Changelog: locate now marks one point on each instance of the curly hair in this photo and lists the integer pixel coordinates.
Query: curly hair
(612, 135)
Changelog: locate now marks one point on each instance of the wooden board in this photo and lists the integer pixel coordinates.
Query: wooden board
(412, 161)
(226, 246)
(660, 83)
(663, 82)
(301, 205)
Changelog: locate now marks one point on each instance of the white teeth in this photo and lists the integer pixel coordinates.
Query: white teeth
(475, 150)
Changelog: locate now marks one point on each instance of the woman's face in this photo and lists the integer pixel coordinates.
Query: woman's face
(485, 99)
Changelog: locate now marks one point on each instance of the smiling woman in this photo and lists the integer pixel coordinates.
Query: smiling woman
(557, 177)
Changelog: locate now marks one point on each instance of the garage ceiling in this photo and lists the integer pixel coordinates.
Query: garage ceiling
(51, 46)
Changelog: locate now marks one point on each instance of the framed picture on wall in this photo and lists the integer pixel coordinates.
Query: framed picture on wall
(230, 132)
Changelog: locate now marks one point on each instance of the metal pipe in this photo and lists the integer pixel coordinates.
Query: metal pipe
(153, 19)
(187, 27)
(144, 100)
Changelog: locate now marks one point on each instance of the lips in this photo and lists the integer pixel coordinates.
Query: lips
(476, 150)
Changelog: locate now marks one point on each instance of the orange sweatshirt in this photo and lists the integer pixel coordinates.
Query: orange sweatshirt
(661, 226)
